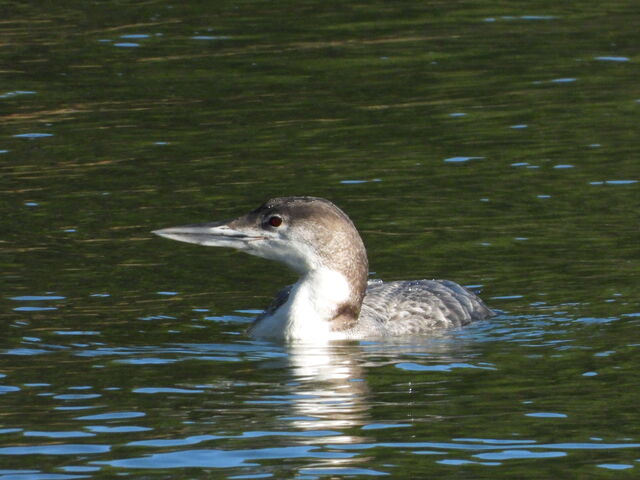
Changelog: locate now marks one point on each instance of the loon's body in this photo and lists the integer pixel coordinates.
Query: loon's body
(332, 299)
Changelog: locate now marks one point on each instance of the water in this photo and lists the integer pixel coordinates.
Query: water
(492, 145)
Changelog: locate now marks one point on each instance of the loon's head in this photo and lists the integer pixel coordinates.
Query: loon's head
(304, 233)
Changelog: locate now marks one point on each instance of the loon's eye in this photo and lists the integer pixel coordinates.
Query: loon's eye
(275, 221)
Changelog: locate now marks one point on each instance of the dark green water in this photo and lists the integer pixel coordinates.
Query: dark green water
(491, 143)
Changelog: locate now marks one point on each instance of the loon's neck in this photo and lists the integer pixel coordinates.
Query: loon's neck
(320, 306)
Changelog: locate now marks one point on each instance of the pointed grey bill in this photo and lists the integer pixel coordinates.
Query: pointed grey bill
(215, 234)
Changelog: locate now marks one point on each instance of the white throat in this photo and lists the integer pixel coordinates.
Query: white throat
(307, 313)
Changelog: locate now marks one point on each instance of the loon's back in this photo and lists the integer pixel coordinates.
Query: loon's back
(402, 308)
(417, 307)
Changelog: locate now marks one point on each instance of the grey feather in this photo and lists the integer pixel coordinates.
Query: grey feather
(418, 306)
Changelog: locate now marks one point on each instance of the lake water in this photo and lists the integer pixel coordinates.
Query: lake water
(491, 143)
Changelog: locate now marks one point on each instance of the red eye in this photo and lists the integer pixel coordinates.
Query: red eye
(275, 221)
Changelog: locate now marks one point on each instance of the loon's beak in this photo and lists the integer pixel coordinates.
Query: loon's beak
(215, 234)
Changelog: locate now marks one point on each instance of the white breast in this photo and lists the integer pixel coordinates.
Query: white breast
(307, 312)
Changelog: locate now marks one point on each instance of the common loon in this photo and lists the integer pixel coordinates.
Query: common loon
(332, 298)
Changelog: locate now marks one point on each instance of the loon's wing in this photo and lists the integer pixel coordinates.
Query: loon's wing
(279, 300)
(410, 307)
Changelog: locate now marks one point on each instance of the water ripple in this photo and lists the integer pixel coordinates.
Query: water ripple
(213, 458)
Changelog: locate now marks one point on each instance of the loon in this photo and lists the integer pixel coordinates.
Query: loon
(333, 298)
